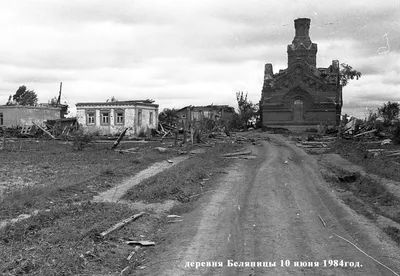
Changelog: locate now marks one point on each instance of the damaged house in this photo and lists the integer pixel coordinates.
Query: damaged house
(197, 113)
(301, 95)
(109, 118)
(21, 115)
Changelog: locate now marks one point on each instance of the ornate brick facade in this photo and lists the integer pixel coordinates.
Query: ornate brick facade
(302, 94)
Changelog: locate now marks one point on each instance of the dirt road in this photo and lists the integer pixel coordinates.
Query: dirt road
(265, 216)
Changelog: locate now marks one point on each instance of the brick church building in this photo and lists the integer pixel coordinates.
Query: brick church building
(301, 95)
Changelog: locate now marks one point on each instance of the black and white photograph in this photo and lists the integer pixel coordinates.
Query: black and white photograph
(184, 138)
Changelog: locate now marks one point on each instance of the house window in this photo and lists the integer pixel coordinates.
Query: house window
(91, 118)
(151, 118)
(1, 119)
(139, 117)
(105, 117)
(119, 117)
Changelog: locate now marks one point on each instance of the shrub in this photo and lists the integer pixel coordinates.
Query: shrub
(82, 140)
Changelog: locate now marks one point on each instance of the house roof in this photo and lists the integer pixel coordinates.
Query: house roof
(29, 107)
(119, 103)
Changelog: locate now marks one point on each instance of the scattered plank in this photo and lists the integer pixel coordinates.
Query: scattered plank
(45, 131)
(322, 220)
(142, 243)
(119, 139)
(124, 271)
(121, 224)
(393, 154)
(237, 153)
(173, 216)
(131, 255)
(363, 133)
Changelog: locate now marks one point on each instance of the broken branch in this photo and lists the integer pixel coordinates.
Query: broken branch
(120, 224)
(119, 139)
(323, 222)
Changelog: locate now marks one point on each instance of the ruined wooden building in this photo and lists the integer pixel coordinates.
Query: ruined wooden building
(302, 95)
(109, 118)
(214, 112)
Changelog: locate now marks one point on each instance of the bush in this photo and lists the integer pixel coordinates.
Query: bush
(82, 140)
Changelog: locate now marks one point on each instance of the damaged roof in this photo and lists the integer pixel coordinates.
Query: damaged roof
(131, 102)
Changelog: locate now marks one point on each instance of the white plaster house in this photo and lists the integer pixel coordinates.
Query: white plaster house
(109, 118)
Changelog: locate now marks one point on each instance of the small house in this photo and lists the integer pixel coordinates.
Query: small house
(110, 118)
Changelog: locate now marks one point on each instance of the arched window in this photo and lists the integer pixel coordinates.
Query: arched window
(298, 103)
(298, 110)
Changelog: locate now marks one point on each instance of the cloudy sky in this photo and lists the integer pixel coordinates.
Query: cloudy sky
(182, 52)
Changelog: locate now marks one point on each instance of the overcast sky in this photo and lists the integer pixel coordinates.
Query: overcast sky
(190, 52)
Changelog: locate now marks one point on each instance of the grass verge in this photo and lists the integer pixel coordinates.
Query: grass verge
(356, 152)
(185, 180)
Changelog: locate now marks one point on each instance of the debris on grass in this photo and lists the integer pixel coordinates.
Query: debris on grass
(161, 149)
(121, 136)
(322, 220)
(237, 153)
(142, 243)
(121, 224)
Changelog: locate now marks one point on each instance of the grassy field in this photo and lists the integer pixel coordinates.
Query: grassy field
(46, 173)
(62, 238)
(364, 194)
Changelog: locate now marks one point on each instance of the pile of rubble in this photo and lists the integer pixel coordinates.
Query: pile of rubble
(368, 132)
(316, 143)
(50, 128)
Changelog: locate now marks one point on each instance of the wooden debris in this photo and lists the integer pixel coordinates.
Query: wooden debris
(173, 216)
(119, 139)
(393, 154)
(142, 243)
(45, 131)
(386, 142)
(131, 255)
(322, 220)
(124, 271)
(121, 224)
(237, 153)
(363, 133)
(161, 149)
